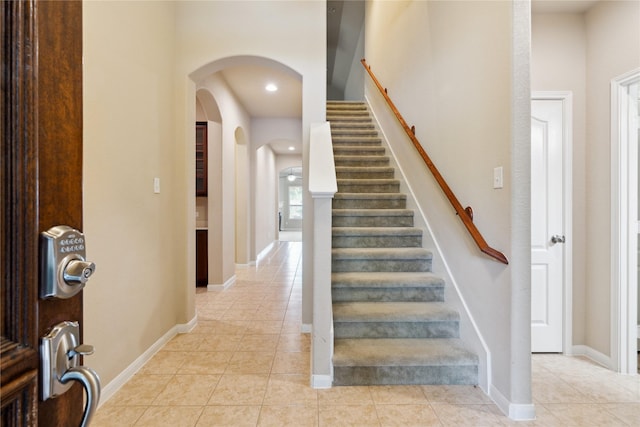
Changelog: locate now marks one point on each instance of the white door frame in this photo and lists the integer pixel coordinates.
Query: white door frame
(624, 228)
(567, 204)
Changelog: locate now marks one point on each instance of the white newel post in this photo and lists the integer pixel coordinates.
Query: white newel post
(322, 186)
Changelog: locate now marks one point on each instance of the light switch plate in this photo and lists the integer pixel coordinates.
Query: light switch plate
(156, 185)
(497, 177)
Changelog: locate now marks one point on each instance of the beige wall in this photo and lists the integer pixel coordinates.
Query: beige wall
(447, 68)
(133, 235)
(613, 48)
(559, 64)
(139, 107)
(582, 53)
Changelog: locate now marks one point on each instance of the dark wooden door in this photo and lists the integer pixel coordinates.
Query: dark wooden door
(41, 186)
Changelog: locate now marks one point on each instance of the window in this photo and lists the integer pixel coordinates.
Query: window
(295, 202)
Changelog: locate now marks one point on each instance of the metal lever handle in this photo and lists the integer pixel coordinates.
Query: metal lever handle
(91, 383)
(557, 239)
(81, 350)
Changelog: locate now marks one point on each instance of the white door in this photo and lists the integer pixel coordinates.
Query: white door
(547, 230)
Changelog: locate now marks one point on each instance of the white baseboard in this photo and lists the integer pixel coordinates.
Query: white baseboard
(265, 251)
(515, 411)
(224, 286)
(114, 385)
(595, 355)
(321, 381)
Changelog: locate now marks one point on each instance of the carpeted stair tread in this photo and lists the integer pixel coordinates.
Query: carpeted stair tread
(380, 279)
(391, 324)
(358, 172)
(401, 351)
(376, 231)
(369, 196)
(356, 140)
(363, 311)
(372, 212)
(381, 253)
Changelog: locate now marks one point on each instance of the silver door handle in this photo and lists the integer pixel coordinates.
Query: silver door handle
(557, 239)
(60, 353)
(91, 383)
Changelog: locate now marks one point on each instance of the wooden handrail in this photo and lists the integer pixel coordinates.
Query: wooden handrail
(465, 214)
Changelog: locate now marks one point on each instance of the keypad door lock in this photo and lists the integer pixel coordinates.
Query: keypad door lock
(63, 270)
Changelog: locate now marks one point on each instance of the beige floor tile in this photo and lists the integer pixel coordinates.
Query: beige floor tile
(398, 394)
(294, 342)
(236, 416)
(252, 362)
(290, 389)
(187, 390)
(183, 416)
(165, 362)
(230, 327)
(241, 389)
(264, 327)
(183, 342)
(261, 315)
(468, 415)
(238, 314)
(117, 416)
(348, 416)
(557, 391)
(289, 416)
(629, 413)
(206, 362)
(352, 395)
(267, 343)
(456, 394)
(140, 390)
(580, 414)
(407, 415)
(291, 363)
(223, 343)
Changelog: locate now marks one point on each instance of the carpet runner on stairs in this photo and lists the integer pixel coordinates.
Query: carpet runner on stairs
(391, 323)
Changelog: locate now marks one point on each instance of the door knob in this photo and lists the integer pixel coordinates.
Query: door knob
(557, 239)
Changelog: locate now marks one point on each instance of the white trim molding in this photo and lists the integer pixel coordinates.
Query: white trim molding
(114, 385)
(224, 286)
(624, 229)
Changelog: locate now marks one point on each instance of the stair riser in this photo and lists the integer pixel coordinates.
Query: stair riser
(358, 151)
(388, 294)
(438, 329)
(341, 265)
(368, 187)
(377, 241)
(364, 174)
(339, 141)
(372, 221)
(395, 375)
(369, 203)
(366, 133)
(362, 161)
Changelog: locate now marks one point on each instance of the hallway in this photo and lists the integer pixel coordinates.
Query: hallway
(247, 364)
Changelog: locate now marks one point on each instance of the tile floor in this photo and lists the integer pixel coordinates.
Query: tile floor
(247, 364)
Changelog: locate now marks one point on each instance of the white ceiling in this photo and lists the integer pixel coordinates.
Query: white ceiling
(561, 6)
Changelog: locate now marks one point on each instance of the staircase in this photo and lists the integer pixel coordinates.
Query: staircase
(391, 324)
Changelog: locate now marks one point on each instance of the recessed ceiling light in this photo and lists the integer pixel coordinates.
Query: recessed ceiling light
(292, 148)
(271, 87)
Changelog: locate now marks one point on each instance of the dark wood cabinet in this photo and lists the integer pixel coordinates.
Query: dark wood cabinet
(202, 258)
(201, 159)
